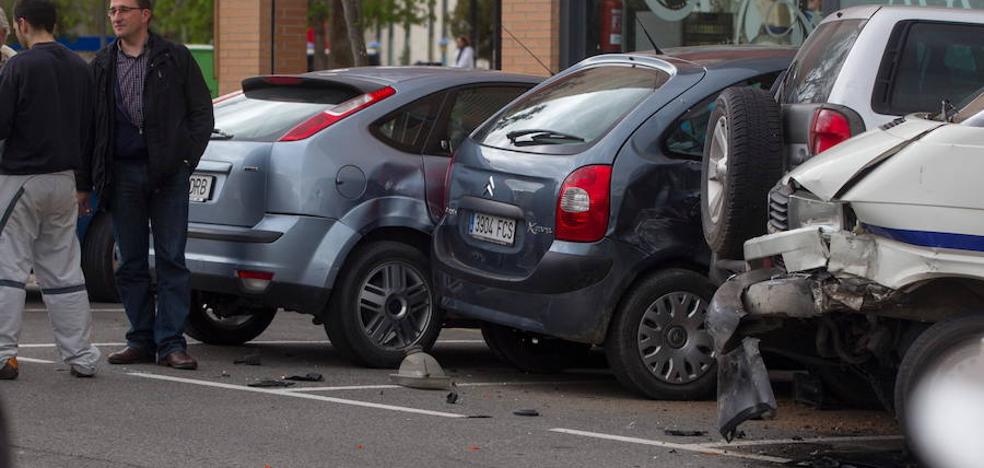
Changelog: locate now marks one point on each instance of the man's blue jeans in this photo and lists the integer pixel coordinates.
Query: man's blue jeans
(139, 210)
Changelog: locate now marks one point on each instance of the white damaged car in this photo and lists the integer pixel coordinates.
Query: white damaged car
(874, 266)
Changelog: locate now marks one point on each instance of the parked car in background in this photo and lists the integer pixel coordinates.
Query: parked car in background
(875, 273)
(572, 217)
(318, 194)
(861, 68)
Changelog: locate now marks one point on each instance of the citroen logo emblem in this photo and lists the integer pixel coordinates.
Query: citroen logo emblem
(490, 188)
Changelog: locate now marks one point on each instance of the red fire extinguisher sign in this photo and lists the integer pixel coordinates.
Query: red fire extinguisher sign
(611, 26)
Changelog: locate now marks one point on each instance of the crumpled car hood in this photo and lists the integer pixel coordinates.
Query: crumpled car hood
(825, 175)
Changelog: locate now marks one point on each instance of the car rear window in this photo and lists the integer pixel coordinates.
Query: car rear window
(818, 62)
(573, 111)
(267, 115)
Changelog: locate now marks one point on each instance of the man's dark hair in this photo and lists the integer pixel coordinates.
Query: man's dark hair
(38, 13)
(146, 4)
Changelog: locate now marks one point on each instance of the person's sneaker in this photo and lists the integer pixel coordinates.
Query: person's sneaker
(9, 371)
(82, 372)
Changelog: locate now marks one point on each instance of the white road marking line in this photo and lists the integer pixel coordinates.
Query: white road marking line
(39, 361)
(90, 310)
(260, 342)
(696, 448)
(814, 440)
(462, 384)
(340, 401)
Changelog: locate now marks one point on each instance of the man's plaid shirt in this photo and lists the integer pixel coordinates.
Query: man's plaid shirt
(130, 74)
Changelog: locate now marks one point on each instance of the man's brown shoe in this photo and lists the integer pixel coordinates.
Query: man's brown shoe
(179, 360)
(130, 356)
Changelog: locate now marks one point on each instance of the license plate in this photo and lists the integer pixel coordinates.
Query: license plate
(493, 229)
(201, 188)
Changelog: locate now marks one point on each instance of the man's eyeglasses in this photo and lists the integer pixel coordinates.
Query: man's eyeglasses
(121, 10)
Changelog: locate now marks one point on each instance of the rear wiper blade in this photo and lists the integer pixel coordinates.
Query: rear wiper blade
(542, 137)
(218, 134)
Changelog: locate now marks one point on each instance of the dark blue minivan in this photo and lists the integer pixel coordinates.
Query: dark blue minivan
(572, 217)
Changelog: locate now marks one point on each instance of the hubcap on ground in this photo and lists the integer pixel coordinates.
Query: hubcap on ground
(394, 305)
(717, 169)
(673, 343)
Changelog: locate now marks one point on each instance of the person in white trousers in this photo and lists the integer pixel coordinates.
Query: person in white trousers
(45, 110)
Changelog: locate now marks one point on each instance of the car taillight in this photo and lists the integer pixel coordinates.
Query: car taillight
(447, 186)
(338, 112)
(254, 281)
(582, 206)
(827, 129)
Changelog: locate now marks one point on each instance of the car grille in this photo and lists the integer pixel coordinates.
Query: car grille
(779, 208)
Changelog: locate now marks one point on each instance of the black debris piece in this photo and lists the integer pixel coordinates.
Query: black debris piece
(679, 433)
(452, 397)
(249, 360)
(271, 383)
(478, 416)
(526, 412)
(309, 377)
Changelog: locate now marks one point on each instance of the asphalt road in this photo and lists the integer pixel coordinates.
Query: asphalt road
(151, 416)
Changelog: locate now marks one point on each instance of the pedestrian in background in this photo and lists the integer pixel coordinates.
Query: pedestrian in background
(153, 119)
(45, 112)
(5, 51)
(466, 54)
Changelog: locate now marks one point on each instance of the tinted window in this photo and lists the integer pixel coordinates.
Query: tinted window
(818, 62)
(574, 110)
(686, 136)
(932, 62)
(248, 119)
(471, 107)
(407, 128)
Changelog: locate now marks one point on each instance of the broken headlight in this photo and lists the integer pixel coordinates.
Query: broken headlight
(805, 209)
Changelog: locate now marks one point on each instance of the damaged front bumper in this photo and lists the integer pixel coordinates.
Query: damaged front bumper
(760, 300)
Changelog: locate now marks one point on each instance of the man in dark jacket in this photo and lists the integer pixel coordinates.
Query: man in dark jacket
(153, 118)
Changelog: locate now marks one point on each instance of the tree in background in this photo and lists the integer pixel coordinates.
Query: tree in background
(460, 22)
(185, 21)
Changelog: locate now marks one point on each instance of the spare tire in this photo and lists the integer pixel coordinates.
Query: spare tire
(742, 161)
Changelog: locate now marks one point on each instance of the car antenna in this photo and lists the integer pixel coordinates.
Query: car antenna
(528, 51)
(651, 41)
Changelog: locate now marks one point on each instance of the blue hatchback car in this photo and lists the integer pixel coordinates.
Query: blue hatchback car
(573, 217)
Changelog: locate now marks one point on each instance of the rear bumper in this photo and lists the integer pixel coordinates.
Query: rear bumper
(304, 254)
(570, 295)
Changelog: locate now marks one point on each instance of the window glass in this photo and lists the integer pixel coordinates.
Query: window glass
(247, 119)
(574, 110)
(687, 135)
(407, 128)
(471, 107)
(938, 61)
(815, 68)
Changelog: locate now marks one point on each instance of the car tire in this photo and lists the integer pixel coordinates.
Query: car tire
(534, 353)
(207, 324)
(664, 311)
(404, 315)
(98, 259)
(742, 161)
(932, 344)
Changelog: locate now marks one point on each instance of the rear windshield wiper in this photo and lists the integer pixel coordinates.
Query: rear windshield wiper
(542, 137)
(220, 135)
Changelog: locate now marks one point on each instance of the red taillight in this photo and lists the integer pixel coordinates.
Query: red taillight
(257, 275)
(582, 206)
(447, 186)
(283, 80)
(828, 129)
(324, 119)
(226, 97)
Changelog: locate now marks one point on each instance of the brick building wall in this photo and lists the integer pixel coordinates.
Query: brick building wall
(243, 42)
(536, 24)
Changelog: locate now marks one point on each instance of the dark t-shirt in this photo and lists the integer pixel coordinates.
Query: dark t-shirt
(45, 110)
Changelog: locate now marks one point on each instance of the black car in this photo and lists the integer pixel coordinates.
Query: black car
(572, 217)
